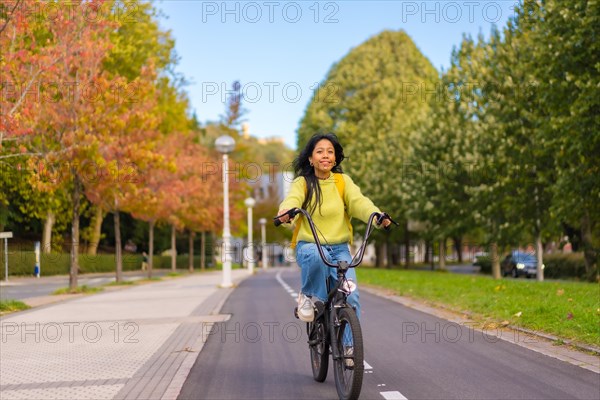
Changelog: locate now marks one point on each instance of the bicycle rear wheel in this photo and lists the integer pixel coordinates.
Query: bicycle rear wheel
(319, 350)
(349, 368)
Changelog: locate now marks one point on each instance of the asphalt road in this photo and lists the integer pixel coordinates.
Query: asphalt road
(261, 353)
(19, 288)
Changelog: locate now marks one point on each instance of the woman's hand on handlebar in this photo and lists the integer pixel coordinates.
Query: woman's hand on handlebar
(385, 221)
(284, 218)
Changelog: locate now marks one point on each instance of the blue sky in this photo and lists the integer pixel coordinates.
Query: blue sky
(280, 50)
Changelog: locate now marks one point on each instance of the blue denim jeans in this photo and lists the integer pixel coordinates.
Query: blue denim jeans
(314, 271)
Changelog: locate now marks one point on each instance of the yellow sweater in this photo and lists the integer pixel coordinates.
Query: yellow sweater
(329, 219)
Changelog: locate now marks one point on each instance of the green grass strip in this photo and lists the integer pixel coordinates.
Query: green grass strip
(8, 306)
(78, 290)
(570, 310)
(122, 283)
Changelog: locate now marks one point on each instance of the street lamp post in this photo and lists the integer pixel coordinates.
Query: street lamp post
(250, 202)
(225, 145)
(263, 231)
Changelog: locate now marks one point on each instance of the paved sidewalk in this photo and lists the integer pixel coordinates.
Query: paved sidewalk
(136, 343)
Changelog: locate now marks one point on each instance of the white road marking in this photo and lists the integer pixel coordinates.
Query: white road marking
(367, 366)
(393, 395)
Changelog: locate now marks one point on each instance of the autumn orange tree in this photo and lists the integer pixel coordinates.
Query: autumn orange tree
(202, 196)
(74, 90)
(128, 138)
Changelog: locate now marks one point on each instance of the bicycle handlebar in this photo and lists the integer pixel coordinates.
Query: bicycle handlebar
(361, 251)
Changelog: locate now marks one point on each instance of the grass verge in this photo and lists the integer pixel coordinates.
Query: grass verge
(147, 280)
(122, 283)
(570, 310)
(79, 290)
(8, 306)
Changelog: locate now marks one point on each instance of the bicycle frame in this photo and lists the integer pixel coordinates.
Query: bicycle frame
(328, 327)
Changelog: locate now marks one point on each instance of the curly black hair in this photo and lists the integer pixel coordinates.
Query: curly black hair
(303, 168)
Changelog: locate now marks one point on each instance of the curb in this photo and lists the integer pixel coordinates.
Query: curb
(579, 346)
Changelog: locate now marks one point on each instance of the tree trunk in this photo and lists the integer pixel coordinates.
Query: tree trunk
(389, 253)
(47, 235)
(150, 248)
(74, 268)
(495, 260)
(458, 246)
(3, 216)
(378, 255)
(191, 252)
(427, 250)
(173, 249)
(442, 260)
(406, 246)
(96, 231)
(539, 252)
(203, 251)
(118, 252)
(589, 255)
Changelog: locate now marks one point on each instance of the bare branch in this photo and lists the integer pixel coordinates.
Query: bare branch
(8, 19)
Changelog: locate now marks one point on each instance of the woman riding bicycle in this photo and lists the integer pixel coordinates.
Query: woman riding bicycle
(331, 198)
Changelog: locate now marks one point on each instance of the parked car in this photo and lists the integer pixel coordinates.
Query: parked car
(519, 263)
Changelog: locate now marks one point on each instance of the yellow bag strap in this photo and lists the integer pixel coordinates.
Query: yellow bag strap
(340, 184)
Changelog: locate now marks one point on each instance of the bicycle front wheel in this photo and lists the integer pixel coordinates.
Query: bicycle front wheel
(349, 367)
(319, 350)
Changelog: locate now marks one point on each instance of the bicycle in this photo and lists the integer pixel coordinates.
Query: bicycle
(336, 327)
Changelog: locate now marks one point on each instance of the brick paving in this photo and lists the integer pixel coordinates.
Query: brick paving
(136, 343)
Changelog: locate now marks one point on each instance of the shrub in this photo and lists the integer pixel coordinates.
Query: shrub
(485, 262)
(565, 266)
(22, 263)
(557, 266)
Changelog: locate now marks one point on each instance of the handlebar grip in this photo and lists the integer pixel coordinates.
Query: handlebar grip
(292, 213)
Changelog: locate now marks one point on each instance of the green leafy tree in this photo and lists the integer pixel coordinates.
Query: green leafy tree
(565, 62)
(439, 174)
(373, 99)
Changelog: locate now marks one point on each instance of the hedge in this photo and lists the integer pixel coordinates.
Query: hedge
(22, 263)
(558, 266)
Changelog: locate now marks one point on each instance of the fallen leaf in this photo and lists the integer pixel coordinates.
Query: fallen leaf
(570, 316)
(518, 314)
(560, 292)
(490, 325)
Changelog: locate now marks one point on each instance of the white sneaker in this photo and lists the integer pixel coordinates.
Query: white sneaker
(349, 352)
(306, 312)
